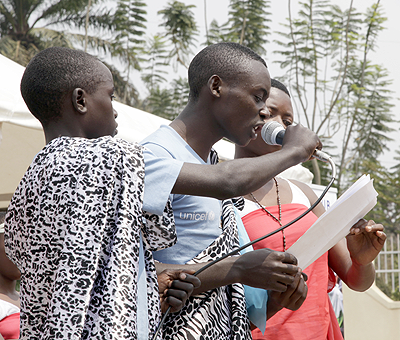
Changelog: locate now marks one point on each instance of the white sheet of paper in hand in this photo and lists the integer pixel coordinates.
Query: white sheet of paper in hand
(336, 222)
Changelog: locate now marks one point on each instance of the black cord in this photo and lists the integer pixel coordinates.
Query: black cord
(234, 252)
(161, 323)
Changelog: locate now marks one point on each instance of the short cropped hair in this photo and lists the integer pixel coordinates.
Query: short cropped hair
(223, 59)
(278, 85)
(52, 74)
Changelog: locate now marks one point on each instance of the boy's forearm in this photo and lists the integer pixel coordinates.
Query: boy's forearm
(261, 268)
(233, 178)
(360, 278)
(220, 274)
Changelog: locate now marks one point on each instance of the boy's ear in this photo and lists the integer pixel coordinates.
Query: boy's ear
(79, 100)
(214, 84)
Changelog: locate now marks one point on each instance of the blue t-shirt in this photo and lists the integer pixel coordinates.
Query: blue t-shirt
(197, 218)
(160, 177)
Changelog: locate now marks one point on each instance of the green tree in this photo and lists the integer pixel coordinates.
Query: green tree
(386, 183)
(367, 117)
(128, 42)
(156, 60)
(368, 120)
(121, 86)
(27, 27)
(248, 23)
(219, 33)
(321, 38)
(159, 102)
(181, 29)
(180, 95)
(168, 103)
(324, 56)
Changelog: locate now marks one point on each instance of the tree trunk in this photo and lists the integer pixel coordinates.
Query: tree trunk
(87, 23)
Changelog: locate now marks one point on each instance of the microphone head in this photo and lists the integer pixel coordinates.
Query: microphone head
(272, 133)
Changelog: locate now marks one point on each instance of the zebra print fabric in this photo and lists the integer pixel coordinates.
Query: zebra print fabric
(219, 313)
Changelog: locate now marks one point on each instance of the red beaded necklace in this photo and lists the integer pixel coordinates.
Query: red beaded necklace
(278, 200)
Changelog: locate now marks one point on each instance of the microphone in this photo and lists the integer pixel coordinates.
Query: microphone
(273, 133)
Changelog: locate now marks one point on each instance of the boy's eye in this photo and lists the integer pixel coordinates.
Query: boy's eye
(287, 122)
(258, 99)
(112, 97)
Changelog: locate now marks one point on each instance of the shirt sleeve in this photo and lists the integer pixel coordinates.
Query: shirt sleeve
(161, 173)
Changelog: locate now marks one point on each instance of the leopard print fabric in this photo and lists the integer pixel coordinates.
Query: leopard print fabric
(73, 229)
(219, 313)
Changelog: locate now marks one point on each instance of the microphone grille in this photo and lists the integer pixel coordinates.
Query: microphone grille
(269, 132)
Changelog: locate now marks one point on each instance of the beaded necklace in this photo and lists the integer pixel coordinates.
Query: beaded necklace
(278, 200)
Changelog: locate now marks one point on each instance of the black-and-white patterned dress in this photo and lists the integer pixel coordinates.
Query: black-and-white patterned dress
(73, 229)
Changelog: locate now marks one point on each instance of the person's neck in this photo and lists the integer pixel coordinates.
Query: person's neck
(198, 129)
(53, 131)
(69, 124)
(242, 152)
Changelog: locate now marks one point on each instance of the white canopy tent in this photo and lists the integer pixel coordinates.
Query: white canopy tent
(21, 135)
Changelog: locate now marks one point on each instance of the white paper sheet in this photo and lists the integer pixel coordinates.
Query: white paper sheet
(336, 222)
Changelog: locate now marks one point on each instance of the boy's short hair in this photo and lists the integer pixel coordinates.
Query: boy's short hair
(278, 85)
(52, 74)
(222, 59)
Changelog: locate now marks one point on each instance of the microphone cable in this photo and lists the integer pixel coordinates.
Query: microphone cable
(329, 160)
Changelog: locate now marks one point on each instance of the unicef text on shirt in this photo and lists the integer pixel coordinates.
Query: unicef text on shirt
(197, 216)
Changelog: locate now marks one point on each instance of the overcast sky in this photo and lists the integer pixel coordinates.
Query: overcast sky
(388, 42)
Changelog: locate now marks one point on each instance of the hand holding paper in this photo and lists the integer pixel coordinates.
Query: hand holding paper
(335, 223)
(365, 241)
